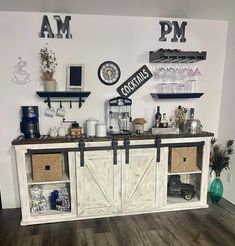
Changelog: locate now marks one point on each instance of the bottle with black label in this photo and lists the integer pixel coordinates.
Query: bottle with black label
(164, 122)
(158, 117)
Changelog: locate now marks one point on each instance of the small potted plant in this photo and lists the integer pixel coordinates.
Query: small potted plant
(48, 66)
(219, 160)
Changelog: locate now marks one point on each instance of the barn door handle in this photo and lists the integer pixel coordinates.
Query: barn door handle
(126, 146)
(114, 146)
(81, 149)
(158, 146)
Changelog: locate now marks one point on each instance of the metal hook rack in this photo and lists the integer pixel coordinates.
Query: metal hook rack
(80, 101)
(64, 94)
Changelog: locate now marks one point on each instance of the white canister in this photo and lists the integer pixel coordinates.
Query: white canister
(61, 131)
(100, 130)
(90, 127)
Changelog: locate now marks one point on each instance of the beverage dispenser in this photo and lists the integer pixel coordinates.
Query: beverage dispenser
(119, 116)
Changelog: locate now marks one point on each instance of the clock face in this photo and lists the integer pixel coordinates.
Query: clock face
(109, 73)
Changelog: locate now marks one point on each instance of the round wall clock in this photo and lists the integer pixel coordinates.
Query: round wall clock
(109, 73)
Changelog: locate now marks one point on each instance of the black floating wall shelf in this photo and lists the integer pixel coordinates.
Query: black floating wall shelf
(175, 95)
(176, 56)
(61, 95)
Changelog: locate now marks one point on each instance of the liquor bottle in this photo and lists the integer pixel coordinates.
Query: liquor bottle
(158, 117)
(164, 122)
(191, 113)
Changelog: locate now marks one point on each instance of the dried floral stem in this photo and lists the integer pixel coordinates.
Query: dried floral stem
(48, 63)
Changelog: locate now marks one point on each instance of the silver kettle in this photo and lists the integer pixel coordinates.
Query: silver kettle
(192, 126)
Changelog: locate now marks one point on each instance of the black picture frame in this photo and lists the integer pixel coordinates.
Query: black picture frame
(75, 77)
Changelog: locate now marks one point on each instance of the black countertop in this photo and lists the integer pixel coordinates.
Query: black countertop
(45, 139)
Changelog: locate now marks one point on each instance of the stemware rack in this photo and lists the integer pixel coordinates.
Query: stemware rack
(176, 56)
(78, 97)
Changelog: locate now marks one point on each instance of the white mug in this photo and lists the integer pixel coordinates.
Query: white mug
(50, 112)
(60, 112)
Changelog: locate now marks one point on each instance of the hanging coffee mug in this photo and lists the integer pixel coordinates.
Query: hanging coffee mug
(50, 112)
(60, 112)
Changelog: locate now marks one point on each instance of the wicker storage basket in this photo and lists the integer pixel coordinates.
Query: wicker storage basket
(47, 167)
(183, 159)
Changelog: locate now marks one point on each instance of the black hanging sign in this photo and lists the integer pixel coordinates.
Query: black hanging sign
(134, 82)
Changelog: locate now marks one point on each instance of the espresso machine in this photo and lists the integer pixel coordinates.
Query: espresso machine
(119, 116)
(29, 124)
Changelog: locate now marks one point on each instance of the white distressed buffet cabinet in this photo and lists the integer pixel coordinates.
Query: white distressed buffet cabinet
(112, 177)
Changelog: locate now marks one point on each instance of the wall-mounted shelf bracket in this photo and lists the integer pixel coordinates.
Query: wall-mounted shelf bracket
(77, 97)
(175, 95)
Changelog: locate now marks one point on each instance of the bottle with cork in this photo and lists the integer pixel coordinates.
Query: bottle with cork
(158, 118)
(164, 122)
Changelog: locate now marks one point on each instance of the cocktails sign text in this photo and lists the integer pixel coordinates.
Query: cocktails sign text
(134, 82)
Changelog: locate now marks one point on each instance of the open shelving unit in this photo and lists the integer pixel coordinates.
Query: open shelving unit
(49, 186)
(176, 56)
(180, 164)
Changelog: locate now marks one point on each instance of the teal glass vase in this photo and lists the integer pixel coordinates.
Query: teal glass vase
(216, 190)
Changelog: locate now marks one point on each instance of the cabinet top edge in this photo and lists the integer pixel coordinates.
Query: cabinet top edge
(45, 139)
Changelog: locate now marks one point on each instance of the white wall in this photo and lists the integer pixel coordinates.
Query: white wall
(125, 40)
(227, 115)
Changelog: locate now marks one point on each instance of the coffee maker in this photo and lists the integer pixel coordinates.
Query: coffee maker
(29, 124)
(119, 116)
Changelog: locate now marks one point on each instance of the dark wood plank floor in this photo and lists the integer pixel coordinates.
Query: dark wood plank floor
(213, 226)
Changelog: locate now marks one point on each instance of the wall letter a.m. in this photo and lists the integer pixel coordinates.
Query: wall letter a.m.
(61, 28)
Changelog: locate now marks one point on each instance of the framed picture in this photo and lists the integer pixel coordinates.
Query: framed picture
(75, 76)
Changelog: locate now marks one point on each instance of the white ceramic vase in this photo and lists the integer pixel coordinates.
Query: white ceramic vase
(50, 85)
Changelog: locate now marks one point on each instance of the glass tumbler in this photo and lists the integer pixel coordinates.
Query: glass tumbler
(180, 88)
(162, 88)
(190, 86)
